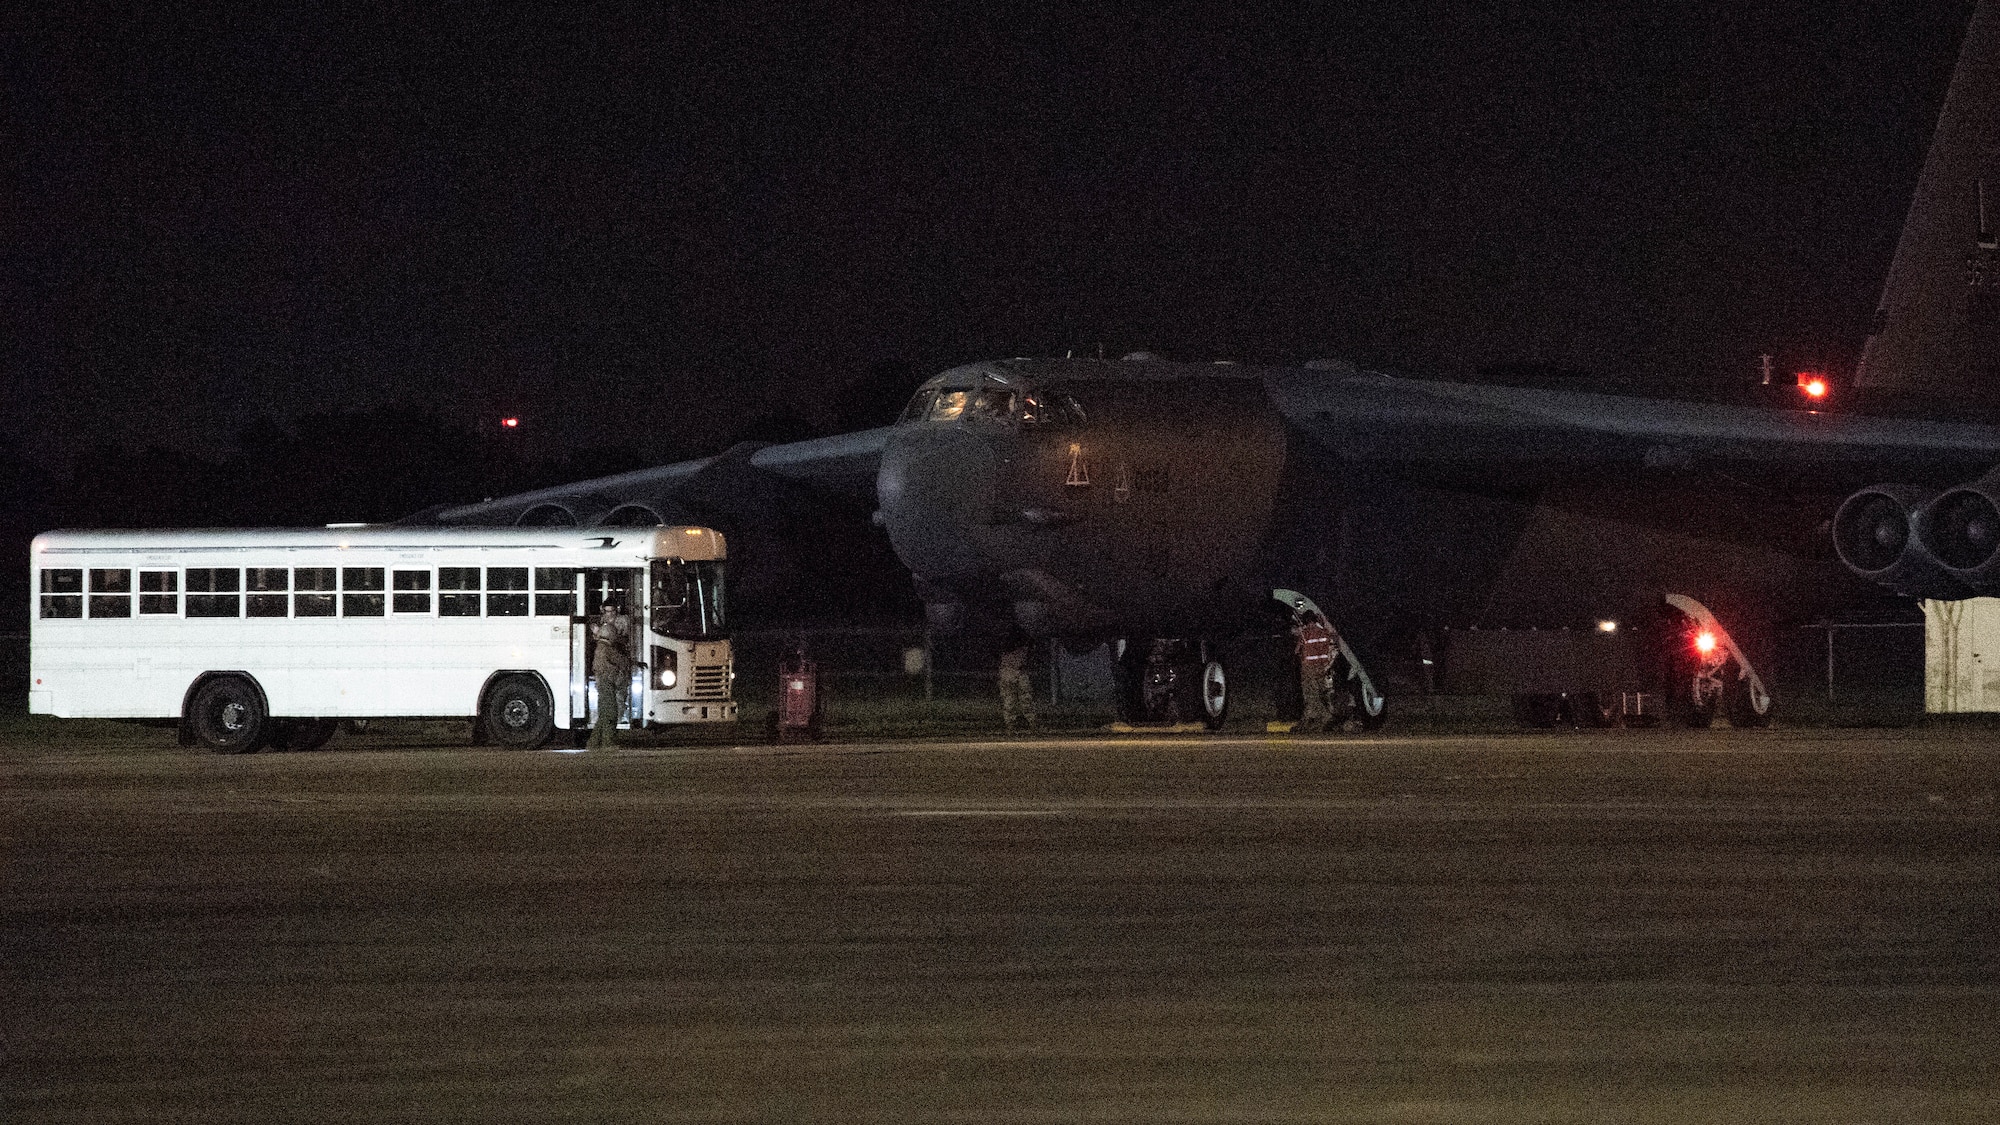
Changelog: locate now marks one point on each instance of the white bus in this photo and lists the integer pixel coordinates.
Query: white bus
(271, 637)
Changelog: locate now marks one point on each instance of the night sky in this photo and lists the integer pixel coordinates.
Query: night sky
(648, 228)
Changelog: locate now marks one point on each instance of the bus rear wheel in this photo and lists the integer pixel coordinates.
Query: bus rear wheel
(518, 714)
(227, 716)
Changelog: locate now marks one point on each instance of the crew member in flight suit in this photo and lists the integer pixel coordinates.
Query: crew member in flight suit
(1313, 644)
(612, 664)
(1017, 692)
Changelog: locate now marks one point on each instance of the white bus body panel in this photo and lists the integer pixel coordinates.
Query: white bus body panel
(404, 665)
(352, 669)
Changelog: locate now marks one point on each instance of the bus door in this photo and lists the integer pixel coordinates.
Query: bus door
(600, 585)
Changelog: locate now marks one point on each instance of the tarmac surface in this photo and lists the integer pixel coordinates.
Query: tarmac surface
(1754, 926)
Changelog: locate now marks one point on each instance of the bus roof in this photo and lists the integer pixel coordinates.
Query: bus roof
(623, 542)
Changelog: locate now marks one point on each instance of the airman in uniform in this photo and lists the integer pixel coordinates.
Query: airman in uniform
(612, 664)
(1313, 645)
(1017, 692)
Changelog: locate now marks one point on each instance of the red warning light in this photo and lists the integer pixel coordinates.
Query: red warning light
(1704, 642)
(1812, 385)
(511, 423)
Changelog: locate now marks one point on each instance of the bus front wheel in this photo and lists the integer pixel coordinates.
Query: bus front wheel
(518, 714)
(227, 716)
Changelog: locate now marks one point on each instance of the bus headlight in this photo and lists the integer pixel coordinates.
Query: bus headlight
(666, 668)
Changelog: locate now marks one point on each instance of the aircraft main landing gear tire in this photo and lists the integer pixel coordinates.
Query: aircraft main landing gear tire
(1214, 683)
(1171, 681)
(1701, 698)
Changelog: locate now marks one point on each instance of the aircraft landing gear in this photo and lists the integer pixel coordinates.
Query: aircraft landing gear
(1369, 709)
(1704, 696)
(1166, 681)
(1719, 679)
(1214, 687)
(1351, 696)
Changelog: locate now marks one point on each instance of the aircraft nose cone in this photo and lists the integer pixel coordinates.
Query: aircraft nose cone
(935, 488)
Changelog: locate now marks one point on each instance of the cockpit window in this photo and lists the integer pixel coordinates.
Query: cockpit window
(949, 405)
(1050, 408)
(1043, 407)
(920, 406)
(991, 404)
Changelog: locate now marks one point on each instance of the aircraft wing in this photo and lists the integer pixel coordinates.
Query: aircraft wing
(793, 513)
(841, 466)
(1372, 417)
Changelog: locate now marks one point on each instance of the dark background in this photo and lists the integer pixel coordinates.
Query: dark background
(292, 264)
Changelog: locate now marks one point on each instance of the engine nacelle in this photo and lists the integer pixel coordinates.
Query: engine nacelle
(1874, 533)
(1961, 529)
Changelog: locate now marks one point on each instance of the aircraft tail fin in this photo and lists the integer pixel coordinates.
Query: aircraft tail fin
(1937, 328)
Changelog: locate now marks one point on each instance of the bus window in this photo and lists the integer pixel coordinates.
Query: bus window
(361, 591)
(267, 586)
(158, 592)
(555, 591)
(62, 593)
(312, 588)
(687, 598)
(510, 579)
(212, 591)
(458, 591)
(413, 591)
(110, 593)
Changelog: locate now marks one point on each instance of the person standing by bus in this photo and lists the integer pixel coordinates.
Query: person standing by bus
(612, 664)
(1313, 646)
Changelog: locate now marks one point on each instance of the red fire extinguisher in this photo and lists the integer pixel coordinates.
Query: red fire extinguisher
(801, 707)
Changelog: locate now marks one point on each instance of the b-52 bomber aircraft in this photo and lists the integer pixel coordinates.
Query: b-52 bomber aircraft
(1160, 504)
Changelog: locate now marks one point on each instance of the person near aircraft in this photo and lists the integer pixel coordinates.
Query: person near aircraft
(1017, 692)
(1312, 643)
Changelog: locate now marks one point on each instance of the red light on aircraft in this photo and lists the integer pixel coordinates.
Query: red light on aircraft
(511, 423)
(1811, 385)
(1704, 642)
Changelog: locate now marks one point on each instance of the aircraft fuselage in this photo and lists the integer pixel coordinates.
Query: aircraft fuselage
(1090, 498)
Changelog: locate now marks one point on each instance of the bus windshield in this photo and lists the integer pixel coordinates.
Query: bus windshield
(687, 599)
